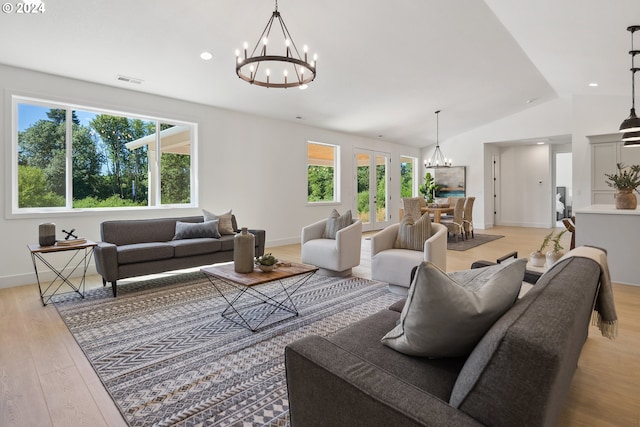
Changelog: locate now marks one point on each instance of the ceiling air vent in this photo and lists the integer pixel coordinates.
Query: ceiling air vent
(131, 80)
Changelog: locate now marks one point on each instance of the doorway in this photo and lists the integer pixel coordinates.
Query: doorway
(371, 182)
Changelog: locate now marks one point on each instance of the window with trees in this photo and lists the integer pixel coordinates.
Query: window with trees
(408, 176)
(77, 158)
(322, 172)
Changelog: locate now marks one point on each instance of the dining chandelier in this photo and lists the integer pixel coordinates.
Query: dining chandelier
(264, 68)
(631, 125)
(438, 160)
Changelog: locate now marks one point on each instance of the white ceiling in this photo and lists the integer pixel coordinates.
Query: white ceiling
(384, 67)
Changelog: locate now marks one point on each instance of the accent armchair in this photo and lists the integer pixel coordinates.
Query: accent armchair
(333, 257)
(394, 266)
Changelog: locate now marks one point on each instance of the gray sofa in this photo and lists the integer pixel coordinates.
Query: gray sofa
(131, 248)
(517, 375)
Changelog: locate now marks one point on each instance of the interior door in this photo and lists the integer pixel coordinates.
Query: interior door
(371, 182)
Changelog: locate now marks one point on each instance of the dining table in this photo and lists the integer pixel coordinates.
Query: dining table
(434, 210)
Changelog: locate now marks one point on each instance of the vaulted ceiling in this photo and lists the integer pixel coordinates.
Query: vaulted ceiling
(384, 67)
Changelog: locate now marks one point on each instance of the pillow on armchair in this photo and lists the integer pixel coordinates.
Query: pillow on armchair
(412, 235)
(336, 222)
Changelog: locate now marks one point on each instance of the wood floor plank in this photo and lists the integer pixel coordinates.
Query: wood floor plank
(69, 400)
(22, 400)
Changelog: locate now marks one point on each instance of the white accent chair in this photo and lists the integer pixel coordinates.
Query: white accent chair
(333, 257)
(394, 266)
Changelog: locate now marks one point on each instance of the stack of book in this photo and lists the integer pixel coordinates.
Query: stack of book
(71, 242)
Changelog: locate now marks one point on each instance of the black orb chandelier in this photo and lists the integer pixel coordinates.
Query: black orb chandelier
(264, 68)
(631, 125)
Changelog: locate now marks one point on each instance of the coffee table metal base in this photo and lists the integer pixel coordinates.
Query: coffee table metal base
(247, 314)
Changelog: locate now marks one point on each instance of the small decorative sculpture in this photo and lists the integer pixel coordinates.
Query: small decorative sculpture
(70, 234)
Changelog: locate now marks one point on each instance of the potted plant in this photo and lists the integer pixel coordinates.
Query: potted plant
(429, 188)
(625, 182)
(554, 255)
(538, 258)
(266, 262)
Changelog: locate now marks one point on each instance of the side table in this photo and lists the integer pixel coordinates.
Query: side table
(79, 257)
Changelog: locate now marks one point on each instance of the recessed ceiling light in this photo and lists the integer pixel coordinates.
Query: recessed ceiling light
(593, 84)
(299, 117)
(206, 55)
(529, 101)
(540, 142)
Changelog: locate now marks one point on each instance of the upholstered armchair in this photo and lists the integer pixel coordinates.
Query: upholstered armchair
(334, 257)
(392, 265)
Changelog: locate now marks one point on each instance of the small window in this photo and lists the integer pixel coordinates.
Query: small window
(408, 176)
(322, 172)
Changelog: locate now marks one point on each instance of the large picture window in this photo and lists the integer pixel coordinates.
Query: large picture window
(322, 172)
(68, 157)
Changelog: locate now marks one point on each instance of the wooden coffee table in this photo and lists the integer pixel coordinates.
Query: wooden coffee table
(224, 276)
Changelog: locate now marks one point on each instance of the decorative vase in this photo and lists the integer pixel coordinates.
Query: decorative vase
(553, 256)
(266, 267)
(47, 234)
(625, 199)
(537, 259)
(243, 251)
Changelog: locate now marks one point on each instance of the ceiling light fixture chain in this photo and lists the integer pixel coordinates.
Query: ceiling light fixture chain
(291, 63)
(631, 125)
(438, 160)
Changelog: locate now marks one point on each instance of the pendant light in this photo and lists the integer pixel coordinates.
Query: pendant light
(438, 160)
(631, 125)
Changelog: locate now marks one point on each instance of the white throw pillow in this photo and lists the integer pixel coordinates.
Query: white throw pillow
(446, 315)
(225, 225)
(336, 222)
(412, 234)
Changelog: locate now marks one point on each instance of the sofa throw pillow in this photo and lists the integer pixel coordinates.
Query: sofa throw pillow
(447, 315)
(225, 226)
(336, 222)
(195, 230)
(412, 234)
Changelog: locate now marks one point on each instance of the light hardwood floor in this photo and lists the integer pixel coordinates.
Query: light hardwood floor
(46, 380)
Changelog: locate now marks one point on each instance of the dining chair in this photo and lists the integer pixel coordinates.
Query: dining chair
(412, 207)
(467, 217)
(455, 224)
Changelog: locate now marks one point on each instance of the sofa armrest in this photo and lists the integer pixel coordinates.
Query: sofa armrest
(313, 231)
(106, 257)
(329, 386)
(384, 239)
(260, 236)
(435, 247)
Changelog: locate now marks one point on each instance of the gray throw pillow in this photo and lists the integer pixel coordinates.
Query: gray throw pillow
(412, 235)
(447, 315)
(195, 230)
(336, 222)
(225, 226)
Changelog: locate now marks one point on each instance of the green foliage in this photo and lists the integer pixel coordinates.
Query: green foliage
(110, 202)
(175, 178)
(266, 259)
(429, 188)
(545, 241)
(406, 180)
(626, 178)
(320, 181)
(556, 241)
(32, 189)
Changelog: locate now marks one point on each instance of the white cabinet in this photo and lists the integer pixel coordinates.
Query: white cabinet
(606, 152)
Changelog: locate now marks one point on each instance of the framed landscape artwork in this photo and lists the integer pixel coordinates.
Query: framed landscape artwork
(451, 181)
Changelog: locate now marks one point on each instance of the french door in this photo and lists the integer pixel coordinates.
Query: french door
(371, 182)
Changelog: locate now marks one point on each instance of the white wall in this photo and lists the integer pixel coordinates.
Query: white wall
(238, 155)
(526, 187)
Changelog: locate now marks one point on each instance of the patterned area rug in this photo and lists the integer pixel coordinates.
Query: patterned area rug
(167, 357)
(463, 245)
